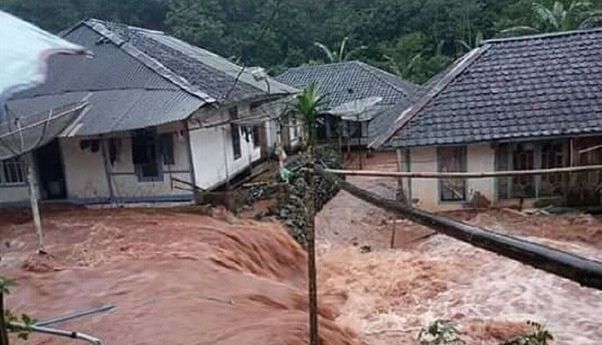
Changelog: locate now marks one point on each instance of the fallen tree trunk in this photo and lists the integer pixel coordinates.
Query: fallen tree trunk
(573, 267)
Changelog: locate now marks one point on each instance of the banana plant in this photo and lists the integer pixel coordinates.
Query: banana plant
(343, 53)
(559, 17)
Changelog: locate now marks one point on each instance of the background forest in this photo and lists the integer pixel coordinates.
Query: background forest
(412, 38)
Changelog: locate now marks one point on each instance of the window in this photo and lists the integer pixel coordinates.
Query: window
(552, 156)
(235, 133)
(529, 156)
(452, 159)
(166, 146)
(12, 172)
(146, 155)
(523, 158)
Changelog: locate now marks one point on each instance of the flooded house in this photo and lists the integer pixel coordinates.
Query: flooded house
(525, 103)
(356, 97)
(163, 115)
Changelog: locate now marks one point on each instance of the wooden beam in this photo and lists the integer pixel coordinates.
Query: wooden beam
(437, 175)
(563, 264)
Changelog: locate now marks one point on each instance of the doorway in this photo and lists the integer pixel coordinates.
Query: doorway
(50, 172)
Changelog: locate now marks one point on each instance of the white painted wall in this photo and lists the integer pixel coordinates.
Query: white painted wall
(84, 171)
(87, 180)
(14, 194)
(480, 157)
(212, 153)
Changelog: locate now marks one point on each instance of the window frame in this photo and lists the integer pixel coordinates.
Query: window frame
(138, 168)
(463, 168)
(19, 164)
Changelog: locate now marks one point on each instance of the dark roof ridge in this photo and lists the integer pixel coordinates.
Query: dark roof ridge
(99, 27)
(410, 112)
(541, 36)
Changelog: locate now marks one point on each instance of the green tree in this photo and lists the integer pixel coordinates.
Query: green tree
(560, 16)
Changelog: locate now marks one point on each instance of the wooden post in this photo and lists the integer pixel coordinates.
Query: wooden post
(33, 199)
(3, 324)
(107, 164)
(409, 169)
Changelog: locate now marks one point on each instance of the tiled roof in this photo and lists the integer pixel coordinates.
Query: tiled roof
(534, 86)
(353, 80)
(209, 72)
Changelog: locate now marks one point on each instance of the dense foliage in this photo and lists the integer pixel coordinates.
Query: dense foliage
(414, 38)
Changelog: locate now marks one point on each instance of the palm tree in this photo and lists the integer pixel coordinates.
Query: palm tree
(342, 55)
(577, 15)
(307, 104)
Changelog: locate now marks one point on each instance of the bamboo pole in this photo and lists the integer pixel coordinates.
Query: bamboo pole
(311, 240)
(437, 175)
(563, 264)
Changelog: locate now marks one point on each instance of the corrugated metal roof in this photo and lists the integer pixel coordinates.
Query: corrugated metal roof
(110, 69)
(116, 110)
(138, 78)
(125, 93)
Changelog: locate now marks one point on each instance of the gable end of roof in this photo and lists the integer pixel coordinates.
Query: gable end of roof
(148, 61)
(410, 112)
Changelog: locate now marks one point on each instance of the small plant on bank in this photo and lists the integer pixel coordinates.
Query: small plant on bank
(539, 336)
(9, 322)
(440, 332)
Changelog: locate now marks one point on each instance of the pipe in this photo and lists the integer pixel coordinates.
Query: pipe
(57, 332)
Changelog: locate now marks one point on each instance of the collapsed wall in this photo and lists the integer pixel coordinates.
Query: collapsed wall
(292, 203)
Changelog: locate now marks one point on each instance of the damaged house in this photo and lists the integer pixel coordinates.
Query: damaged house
(357, 95)
(525, 103)
(160, 111)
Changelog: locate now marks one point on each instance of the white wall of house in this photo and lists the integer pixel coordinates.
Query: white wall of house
(87, 180)
(13, 192)
(426, 193)
(212, 150)
(84, 170)
(13, 195)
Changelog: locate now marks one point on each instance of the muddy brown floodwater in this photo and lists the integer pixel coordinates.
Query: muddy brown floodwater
(179, 277)
(175, 278)
(390, 294)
